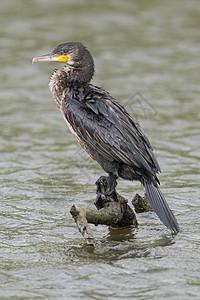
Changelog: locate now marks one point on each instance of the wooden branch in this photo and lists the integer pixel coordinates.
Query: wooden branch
(141, 204)
(115, 212)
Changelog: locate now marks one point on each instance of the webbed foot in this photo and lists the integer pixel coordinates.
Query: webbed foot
(111, 184)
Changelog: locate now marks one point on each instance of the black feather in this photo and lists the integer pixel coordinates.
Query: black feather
(106, 126)
(160, 206)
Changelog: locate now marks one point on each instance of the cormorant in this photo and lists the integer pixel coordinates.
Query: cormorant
(103, 127)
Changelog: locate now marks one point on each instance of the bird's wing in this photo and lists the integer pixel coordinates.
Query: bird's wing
(104, 125)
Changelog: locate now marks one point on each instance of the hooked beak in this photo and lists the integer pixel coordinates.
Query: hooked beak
(50, 57)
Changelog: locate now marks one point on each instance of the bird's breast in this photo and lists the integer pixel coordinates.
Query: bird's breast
(58, 86)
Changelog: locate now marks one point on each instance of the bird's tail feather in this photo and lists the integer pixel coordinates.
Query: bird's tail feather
(160, 206)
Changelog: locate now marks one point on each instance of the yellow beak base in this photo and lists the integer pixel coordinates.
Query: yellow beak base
(50, 57)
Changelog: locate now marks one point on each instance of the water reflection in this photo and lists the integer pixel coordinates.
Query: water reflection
(121, 234)
(117, 245)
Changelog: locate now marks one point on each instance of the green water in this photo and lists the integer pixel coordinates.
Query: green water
(147, 55)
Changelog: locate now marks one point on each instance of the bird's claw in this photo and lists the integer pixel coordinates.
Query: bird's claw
(98, 183)
(107, 191)
(98, 201)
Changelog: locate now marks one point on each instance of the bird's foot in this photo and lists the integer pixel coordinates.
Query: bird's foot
(98, 184)
(111, 184)
(98, 201)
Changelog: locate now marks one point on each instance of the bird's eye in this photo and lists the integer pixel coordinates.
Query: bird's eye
(61, 52)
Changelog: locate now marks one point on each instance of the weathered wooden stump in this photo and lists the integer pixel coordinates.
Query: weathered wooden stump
(115, 212)
(141, 204)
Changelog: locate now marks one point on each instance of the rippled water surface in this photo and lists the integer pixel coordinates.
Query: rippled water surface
(147, 56)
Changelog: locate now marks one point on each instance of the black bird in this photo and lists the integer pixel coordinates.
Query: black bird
(103, 127)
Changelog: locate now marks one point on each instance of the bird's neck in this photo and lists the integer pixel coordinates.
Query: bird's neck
(60, 84)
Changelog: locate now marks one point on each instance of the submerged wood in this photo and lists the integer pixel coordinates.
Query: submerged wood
(115, 212)
(141, 204)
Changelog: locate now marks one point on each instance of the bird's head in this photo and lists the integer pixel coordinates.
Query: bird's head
(79, 64)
